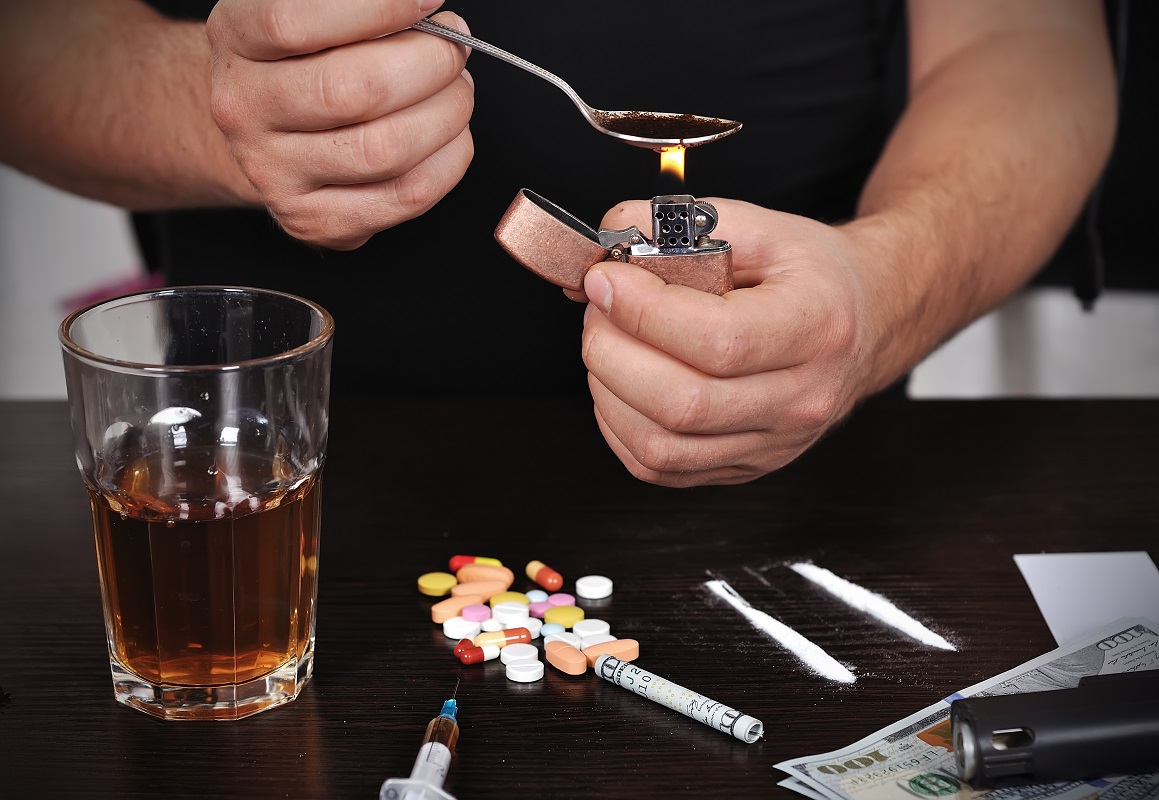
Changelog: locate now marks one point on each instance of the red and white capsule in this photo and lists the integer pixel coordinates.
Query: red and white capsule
(475, 655)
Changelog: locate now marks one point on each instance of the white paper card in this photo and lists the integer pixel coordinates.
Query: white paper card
(1080, 592)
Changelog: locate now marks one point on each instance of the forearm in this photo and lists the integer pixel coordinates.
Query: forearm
(110, 100)
(989, 166)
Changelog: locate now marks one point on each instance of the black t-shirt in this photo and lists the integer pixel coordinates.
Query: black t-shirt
(434, 305)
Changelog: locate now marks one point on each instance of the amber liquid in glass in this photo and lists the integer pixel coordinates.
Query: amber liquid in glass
(214, 586)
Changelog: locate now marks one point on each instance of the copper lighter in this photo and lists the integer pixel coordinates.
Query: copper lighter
(560, 248)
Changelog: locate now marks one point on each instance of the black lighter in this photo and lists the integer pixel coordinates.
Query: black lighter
(560, 248)
(1108, 725)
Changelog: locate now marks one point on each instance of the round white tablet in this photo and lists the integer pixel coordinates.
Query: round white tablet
(511, 614)
(515, 653)
(533, 626)
(525, 671)
(593, 587)
(562, 636)
(594, 639)
(458, 628)
(491, 625)
(590, 627)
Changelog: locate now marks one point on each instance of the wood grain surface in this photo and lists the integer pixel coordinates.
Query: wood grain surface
(924, 503)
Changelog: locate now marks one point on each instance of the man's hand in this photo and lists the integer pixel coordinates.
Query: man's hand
(692, 388)
(1011, 115)
(345, 122)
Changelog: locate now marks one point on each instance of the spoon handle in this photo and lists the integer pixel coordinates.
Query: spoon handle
(430, 26)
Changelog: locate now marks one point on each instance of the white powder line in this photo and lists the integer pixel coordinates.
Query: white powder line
(813, 656)
(871, 603)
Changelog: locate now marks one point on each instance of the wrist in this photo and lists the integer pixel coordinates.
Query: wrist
(903, 317)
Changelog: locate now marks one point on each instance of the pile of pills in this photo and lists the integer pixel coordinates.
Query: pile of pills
(489, 621)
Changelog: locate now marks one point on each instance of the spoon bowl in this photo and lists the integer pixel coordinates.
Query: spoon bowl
(655, 130)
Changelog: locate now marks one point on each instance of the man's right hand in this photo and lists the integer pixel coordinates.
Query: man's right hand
(345, 122)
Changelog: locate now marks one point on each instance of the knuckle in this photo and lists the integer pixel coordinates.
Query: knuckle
(686, 410)
(298, 220)
(654, 452)
(227, 110)
(646, 475)
(819, 409)
(335, 233)
(449, 59)
(466, 149)
(417, 191)
(379, 149)
(315, 225)
(283, 25)
(344, 94)
(590, 349)
(216, 29)
(843, 329)
(463, 95)
(727, 351)
(397, 146)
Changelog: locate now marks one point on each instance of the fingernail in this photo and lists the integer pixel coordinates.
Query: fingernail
(429, 5)
(587, 313)
(599, 289)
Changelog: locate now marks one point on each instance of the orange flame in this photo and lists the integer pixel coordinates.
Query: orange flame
(672, 162)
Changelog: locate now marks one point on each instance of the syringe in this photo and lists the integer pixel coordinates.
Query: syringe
(433, 761)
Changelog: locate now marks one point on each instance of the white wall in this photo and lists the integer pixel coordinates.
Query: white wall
(1042, 344)
(54, 246)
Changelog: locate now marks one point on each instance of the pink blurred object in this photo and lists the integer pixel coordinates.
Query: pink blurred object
(134, 283)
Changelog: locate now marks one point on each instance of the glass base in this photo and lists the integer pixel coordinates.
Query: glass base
(227, 702)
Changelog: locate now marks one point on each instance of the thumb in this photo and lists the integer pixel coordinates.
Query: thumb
(621, 217)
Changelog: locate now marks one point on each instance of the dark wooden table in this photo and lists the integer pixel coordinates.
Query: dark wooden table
(922, 502)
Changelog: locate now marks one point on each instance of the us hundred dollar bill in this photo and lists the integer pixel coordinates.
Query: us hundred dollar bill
(914, 758)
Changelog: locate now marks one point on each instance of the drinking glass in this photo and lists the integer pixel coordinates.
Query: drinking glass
(200, 418)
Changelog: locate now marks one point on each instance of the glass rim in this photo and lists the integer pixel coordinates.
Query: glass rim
(316, 342)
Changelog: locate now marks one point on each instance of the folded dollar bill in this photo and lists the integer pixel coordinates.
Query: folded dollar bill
(914, 757)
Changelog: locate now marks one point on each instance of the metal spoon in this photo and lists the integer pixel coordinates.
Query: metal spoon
(656, 130)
